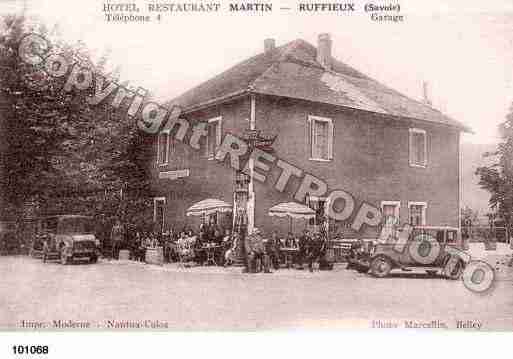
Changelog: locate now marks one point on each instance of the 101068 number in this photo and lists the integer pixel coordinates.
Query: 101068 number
(29, 349)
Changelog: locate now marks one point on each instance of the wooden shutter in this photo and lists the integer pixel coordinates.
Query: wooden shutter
(411, 149)
(218, 135)
(157, 150)
(166, 154)
(315, 148)
(331, 135)
(309, 137)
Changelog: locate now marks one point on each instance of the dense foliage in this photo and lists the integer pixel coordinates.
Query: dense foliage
(498, 177)
(56, 149)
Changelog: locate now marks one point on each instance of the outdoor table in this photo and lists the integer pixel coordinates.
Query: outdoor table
(289, 252)
(210, 250)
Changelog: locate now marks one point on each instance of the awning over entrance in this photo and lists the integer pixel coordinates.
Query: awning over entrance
(208, 206)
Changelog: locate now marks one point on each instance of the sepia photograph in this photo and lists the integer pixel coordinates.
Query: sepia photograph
(269, 166)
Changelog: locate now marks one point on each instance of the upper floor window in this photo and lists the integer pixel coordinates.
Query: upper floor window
(320, 133)
(417, 213)
(162, 148)
(418, 147)
(213, 136)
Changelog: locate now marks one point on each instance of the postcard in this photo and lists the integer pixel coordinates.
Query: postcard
(255, 166)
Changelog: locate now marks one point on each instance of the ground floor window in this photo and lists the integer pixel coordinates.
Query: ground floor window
(159, 204)
(390, 210)
(417, 213)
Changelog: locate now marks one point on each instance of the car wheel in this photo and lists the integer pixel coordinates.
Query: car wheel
(380, 267)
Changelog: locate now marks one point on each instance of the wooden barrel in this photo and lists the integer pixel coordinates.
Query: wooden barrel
(124, 254)
(155, 256)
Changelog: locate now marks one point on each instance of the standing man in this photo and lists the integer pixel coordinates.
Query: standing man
(272, 249)
(255, 251)
(304, 244)
(313, 250)
(116, 238)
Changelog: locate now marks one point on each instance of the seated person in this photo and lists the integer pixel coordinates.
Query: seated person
(290, 241)
(218, 236)
(184, 247)
(230, 243)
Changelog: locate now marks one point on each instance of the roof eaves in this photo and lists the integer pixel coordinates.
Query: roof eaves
(215, 101)
(456, 124)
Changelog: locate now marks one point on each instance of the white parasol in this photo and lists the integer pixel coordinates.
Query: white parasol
(292, 210)
(208, 206)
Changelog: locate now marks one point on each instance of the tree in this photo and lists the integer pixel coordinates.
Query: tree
(35, 121)
(498, 177)
(468, 215)
(72, 156)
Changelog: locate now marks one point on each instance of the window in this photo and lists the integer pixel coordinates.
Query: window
(159, 211)
(417, 213)
(162, 148)
(213, 136)
(390, 209)
(452, 236)
(418, 148)
(318, 204)
(320, 133)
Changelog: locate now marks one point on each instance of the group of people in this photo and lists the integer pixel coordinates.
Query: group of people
(263, 254)
(212, 244)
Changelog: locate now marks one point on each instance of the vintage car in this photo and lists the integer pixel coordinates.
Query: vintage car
(429, 248)
(67, 237)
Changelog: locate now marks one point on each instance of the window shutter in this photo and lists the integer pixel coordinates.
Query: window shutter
(166, 155)
(315, 149)
(411, 148)
(423, 149)
(309, 137)
(157, 138)
(330, 140)
(218, 135)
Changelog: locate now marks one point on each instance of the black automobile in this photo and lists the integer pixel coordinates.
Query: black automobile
(68, 238)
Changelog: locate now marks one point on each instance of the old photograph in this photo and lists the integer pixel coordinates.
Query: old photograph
(233, 166)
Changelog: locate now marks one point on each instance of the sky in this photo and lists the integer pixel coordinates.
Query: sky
(464, 51)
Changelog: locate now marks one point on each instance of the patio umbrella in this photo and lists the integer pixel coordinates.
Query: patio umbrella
(291, 210)
(208, 206)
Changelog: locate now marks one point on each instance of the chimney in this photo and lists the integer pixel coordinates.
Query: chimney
(324, 51)
(269, 45)
(426, 94)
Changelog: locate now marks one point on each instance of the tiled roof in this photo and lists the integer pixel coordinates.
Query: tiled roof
(292, 71)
